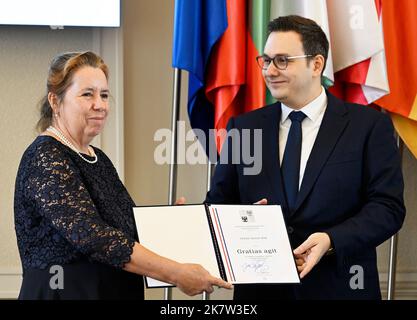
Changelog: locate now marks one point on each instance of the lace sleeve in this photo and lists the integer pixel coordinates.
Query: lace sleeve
(60, 196)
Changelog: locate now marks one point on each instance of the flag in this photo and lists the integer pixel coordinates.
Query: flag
(358, 50)
(234, 80)
(198, 25)
(217, 43)
(355, 70)
(400, 25)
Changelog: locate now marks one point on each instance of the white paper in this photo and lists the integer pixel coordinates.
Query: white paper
(254, 244)
(252, 240)
(180, 233)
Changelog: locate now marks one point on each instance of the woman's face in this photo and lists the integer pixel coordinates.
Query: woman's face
(85, 106)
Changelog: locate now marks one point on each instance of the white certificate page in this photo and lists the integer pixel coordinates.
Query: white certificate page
(254, 244)
(181, 233)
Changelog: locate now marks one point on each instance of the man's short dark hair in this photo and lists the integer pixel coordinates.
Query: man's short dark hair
(312, 36)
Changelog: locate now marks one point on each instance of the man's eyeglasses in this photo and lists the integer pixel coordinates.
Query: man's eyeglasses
(279, 61)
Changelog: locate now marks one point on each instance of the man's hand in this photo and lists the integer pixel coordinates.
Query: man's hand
(262, 201)
(309, 253)
(180, 200)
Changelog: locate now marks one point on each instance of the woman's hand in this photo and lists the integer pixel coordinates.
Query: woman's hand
(190, 278)
(193, 279)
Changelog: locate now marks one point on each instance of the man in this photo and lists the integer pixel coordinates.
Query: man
(332, 166)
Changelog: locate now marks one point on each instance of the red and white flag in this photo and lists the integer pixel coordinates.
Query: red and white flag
(356, 63)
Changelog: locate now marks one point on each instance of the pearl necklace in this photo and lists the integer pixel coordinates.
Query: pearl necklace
(61, 136)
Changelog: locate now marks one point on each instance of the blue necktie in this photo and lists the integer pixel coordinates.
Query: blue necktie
(290, 167)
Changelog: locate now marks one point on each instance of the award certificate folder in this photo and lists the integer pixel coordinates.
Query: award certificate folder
(238, 243)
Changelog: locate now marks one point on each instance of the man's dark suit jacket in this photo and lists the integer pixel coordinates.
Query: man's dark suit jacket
(352, 189)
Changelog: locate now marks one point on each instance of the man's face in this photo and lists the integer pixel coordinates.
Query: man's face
(294, 85)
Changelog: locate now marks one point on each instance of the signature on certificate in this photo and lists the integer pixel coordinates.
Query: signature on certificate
(256, 266)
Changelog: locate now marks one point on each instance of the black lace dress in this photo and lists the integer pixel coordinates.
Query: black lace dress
(74, 219)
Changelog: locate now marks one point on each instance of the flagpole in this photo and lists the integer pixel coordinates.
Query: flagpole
(392, 267)
(172, 192)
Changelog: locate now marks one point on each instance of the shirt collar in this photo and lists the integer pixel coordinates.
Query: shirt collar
(311, 110)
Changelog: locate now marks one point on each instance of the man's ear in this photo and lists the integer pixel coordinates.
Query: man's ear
(318, 65)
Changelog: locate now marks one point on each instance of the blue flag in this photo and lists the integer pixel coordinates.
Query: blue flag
(198, 25)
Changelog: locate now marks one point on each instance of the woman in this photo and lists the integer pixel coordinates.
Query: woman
(72, 212)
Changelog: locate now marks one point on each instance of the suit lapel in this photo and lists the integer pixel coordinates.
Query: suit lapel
(269, 122)
(333, 123)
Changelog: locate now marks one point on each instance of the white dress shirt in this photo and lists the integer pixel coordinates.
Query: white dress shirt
(310, 127)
